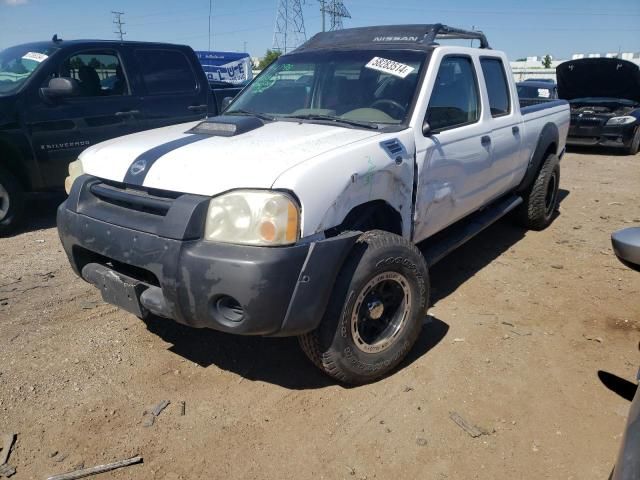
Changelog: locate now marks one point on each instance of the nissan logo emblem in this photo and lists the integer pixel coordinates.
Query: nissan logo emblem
(138, 167)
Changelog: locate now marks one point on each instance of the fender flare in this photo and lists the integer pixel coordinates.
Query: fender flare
(549, 137)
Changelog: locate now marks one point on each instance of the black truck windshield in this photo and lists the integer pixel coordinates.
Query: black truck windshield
(17, 64)
(353, 88)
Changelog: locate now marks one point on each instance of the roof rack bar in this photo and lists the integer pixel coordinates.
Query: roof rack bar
(442, 31)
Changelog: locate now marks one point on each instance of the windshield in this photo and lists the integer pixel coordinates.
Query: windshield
(528, 91)
(354, 88)
(17, 64)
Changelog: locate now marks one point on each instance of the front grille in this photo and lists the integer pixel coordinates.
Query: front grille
(590, 121)
(155, 202)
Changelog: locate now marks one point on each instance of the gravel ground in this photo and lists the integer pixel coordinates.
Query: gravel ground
(521, 325)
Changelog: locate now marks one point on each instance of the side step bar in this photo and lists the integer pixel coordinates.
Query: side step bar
(441, 244)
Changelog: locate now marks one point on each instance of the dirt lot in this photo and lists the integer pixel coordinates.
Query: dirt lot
(522, 322)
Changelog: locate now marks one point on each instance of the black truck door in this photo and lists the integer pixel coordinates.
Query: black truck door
(104, 108)
(174, 92)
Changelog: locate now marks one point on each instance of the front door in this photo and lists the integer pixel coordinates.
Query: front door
(103, 109)
(454, 159)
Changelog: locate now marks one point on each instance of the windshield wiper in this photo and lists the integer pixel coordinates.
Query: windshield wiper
(261, 116)
(329, 118)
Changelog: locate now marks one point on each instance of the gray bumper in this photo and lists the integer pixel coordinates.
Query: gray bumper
(274, 291)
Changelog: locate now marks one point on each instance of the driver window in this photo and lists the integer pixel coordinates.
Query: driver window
(99, 73)
(455, 99)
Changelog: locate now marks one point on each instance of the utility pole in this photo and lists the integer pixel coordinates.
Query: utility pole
(336, 10)
(210, 10)
(322, 9)
(244, 46)
(289, 29)
(117, 21)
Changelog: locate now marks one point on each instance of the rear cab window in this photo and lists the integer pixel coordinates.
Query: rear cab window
(495, 78)
(455, 99)
(166, 71)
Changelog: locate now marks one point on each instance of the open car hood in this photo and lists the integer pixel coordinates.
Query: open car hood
(598, 77)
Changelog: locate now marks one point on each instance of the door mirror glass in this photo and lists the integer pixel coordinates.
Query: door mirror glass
(226, 101)
(426, 129)
(61, 87)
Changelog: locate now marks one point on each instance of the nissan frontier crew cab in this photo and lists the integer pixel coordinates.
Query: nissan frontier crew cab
(297, 211)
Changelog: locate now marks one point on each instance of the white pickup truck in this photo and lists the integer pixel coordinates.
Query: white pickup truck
(297, 211)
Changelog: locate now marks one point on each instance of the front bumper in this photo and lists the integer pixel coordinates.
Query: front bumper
(146, 263)
(619, 136)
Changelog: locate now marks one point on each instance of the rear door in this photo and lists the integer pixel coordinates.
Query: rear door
(505, 126)
(170, 86)
(454, 159)
(105, 108)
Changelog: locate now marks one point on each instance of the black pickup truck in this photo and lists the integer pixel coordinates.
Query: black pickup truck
(59, 97)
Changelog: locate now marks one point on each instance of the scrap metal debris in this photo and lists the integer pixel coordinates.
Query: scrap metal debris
(183, 407)
(150, 415)
(592, 338)
(85, 472)
(6, 470)
(7, 443)
(465, 425)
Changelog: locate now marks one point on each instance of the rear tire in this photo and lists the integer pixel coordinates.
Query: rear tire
(541, 201)
(11, 202)
(634, 146)
(375, 313)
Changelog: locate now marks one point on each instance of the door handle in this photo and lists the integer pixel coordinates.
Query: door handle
(197, 108)
(485, 140)
(127, 113)
(515, 130)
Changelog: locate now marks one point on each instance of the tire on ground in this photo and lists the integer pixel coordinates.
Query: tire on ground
(11, 201)
(541, 201)
(386, 269)
(634, 146)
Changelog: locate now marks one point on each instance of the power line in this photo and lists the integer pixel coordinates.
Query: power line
(117, 21)
(289, 29)
(336, 11)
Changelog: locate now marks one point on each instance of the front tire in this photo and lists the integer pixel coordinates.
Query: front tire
(375, 313)
(11, 202)
(634, 146)
(541, 202)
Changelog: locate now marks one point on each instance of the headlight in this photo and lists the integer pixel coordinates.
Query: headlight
(253, 217)
(75, 170)
(627, 119)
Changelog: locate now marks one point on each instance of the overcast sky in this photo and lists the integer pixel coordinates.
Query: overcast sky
(559, 28)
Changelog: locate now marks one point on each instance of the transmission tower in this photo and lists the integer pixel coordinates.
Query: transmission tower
(289, 29)
(117, 21)
(336, 11)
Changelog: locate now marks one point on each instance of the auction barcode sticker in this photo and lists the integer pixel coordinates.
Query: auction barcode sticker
(389, 66)
(38, 57)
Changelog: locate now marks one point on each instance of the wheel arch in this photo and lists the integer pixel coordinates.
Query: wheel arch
(371, 215)
(548, 144)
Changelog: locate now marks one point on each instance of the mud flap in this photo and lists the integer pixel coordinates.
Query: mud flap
(116, 288)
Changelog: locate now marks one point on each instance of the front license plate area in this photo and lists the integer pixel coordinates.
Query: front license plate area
(116, 289)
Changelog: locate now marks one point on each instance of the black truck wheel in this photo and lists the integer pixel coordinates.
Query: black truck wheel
(375, 312)
(634, 146)
(11, 201)
(541, 200)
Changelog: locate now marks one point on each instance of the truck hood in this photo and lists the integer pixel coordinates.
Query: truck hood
(208, 165)
(598, 77)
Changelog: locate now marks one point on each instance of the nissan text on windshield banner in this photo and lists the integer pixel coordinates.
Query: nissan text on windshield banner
(230, 67)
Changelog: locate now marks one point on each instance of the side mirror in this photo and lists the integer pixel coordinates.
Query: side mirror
(626, 245)
(426, 129)
(226, 101)
(60, 88)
